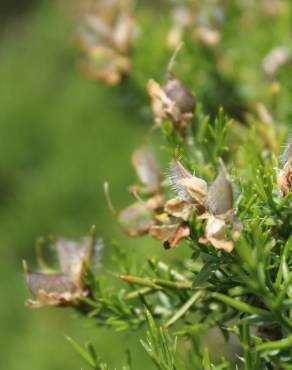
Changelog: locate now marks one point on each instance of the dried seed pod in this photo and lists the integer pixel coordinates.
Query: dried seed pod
(188, 187)
(67, 286)
(105, 65)
(287, 155)
(196, 188)
(285, 174)
(106, 36)
(179, 208)
(136, 219)
(177, 172)
(52, 290)
(173, 100)
(147, 169)
(216, 228)
(285, 178)
(220, 194)
(170, 235)
(181, 97)
(215, 233)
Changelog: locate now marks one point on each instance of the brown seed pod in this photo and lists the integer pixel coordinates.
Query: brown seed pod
(106, 35)
(187, 186)
(220, 194)
(285, 178)
(172, 99)
(147, 169)
(176, 91)
(287, 155)
(136, 219)
(170, 235)
(66, 286)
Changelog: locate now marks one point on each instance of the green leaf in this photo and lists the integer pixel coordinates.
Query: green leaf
(205, 273)
(82, 352)
(195, 297)
(159, 345)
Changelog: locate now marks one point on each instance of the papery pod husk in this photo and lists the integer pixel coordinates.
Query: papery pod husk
(173, 100)
(215, 233)
(146, 168)
(106, 37)
(220, 194)
(44, 299)
(136, 219)
(65, 287)
(177, 172)
(179, 208)
(69, 253)
(50, 283)
(169, 235)
(105, 65)
(52, 290)
(159, 101)
(187, 186)
(196, 188)
(285, 178)
(287, 155)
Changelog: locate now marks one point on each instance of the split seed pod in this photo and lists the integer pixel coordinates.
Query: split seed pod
(66, 286)
(220, 218)
(285, 174)
(187, 186)
(169, 235)
(147, 170)
(172, 100)
(220, 194)
(140, 216)
(106, 38)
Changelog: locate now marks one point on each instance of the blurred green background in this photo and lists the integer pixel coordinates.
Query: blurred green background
(60, 138)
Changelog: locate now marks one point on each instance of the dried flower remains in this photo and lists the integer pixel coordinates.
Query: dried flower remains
(285, 174)
(140, 216)
(172, 100)
(65, 286)
(106, 36)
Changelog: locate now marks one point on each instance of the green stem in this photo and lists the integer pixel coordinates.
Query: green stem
(279, 344)
(139, 292)
(173, 284)
(139, 281)
(184, 308)
(242, 306)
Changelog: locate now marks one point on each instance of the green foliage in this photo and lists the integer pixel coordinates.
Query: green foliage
(159, 345)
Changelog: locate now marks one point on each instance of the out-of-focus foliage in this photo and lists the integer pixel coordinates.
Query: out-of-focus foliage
(59, 138)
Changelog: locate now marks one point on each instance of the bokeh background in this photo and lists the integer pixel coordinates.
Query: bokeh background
(62, 136)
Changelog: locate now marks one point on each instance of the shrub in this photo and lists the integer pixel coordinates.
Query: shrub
(222, 113)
